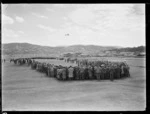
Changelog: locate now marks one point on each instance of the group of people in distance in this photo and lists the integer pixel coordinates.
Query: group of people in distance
(84, 70)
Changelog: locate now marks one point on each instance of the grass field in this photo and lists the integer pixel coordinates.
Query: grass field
(26, 89)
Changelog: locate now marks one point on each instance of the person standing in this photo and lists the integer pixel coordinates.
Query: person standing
(118, 72)
(93, 72)
(81, 72)
(127, 68)
(77, 73)
(55, 71)
(86, 72)
(122, 71)
(90, 74)
(52, 71)
(104, 70)
(112, 73)
(70, 75)
(49, 70)
(64, 75)
(97, 72)
(59, 73)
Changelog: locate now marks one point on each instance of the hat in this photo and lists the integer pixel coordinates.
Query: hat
(102, 65)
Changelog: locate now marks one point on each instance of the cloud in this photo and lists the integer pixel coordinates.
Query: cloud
(46, 28)
(9, 33)
(67, 24)
(65, 18)
(109, 16)
(44, 17)
(77, 35)
(40, 16)
(19, 19)
(82, 16)
(101, 24)
(123, 18)
(48, 9)
(7, 20)
(76, 31)
(21, 32)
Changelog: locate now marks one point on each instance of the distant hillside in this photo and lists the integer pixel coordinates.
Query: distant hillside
(26, 48)
(129, 49)
(128, 52)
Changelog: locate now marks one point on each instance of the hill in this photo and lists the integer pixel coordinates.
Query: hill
(26, 49)
(129, 49)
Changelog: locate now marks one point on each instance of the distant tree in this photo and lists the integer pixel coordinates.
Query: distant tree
(129, 49)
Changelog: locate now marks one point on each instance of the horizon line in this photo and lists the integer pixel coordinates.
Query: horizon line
(73, 45)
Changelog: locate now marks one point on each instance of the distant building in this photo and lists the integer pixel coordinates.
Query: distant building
(71, 54)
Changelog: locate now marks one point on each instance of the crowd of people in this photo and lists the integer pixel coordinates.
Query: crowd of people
(84, 70)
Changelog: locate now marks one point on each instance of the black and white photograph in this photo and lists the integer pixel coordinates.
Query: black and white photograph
(73, 57)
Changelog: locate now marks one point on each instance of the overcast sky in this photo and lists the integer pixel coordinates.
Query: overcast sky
(96, 24)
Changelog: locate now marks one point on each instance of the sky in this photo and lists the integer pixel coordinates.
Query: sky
(74, 24)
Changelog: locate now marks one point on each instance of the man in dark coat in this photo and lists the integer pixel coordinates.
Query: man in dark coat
(118, 72)
(82, 68)
(86, 75)
(93, 72)
(90, 74)
(112, 73)
(55, 71)
(77, 73)
(52, 71)
(98, 72)
(127, 68)
(49, 70)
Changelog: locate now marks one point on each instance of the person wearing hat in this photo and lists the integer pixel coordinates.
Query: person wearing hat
(118, 71)
(52, 70)
(112, 73)
(82, 72)
(127, 68)
(59, 73)
(55, 70)
(49, 72)
(86, 75)
(107, 73)
(104, 70)
(98, 72)
(74, 73)
(93, 72)
(70, 73)
(64, 74)
(90, 72)
(77, 73)
(122, 70)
